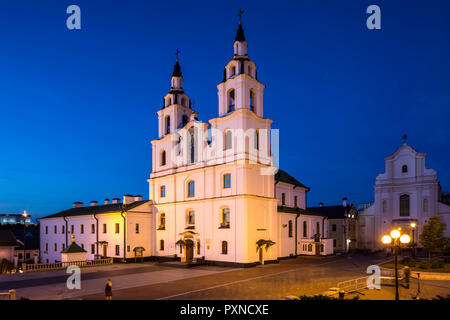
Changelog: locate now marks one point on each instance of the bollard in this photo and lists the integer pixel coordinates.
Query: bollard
(12, 294)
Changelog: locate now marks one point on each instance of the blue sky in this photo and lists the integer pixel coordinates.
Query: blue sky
(78, 108)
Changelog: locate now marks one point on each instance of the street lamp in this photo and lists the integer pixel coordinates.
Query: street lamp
(24, 215)
(395, 238)
(413, 225)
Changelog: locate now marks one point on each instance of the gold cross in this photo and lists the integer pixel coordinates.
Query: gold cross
(177, 53)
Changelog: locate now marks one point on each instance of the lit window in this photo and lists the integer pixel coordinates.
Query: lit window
(191, 217)
(227, 180)
(224, 247)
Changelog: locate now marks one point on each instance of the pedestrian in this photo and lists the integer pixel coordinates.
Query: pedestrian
(108, 290)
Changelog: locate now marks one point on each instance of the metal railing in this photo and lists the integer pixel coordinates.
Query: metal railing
(64, 265)
(353, 285)
(10, 295)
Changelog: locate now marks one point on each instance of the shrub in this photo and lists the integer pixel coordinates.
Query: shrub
(437, 264)
(424, 265)
(5, 266)
(412, 263)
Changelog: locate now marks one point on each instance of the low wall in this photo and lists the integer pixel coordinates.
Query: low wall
(423, 275)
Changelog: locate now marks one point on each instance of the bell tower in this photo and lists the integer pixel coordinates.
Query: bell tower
(240, 88)
(177, 108)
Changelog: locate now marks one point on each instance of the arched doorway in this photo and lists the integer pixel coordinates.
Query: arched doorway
(189, 250)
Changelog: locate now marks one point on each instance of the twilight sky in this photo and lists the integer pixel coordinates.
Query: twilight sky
(78, 108)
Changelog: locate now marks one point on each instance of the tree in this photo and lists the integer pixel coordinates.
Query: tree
(432, 237)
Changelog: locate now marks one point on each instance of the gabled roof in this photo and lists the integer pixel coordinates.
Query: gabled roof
(73, 248)
(7, 239)
(332, 212)
(283, 176)
(82, 211)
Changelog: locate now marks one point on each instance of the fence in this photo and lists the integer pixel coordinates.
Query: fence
(10, 295)
(64, 265)
(353, 285)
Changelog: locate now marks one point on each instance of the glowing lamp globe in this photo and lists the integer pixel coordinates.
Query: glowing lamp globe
(395, 234)
(386, 239)
(405, 238)
(413, 224)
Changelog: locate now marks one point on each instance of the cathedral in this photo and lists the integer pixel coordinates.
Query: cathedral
(406, 194)
(215, 195)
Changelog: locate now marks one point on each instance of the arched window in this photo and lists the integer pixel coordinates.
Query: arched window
(185, 120)
(191, 188)
(162, 221)
(232, 71)
(384, 206)
(290, 228)
(305, 231)
(183, 101)
(163, 191)
(225, 218)
(404, 205)
(283, 199)
(228, 139)
(295, 202)
(192, 141)
(231, 100)
(310, 247)
(227, 180)
(257, 139)
(163, 158)
(224, 247)
(167, 102)
(191, 217)
(404, 168)
(425, 205)
(250, 70)
(252, 100)
(167, 124)
(161, 245)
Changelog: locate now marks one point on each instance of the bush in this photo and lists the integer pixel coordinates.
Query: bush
(5, 266)
(411, 263)
(437, 264)
(424, 265)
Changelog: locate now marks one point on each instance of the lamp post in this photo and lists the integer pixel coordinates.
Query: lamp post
(395, 238)
(24, 215)
(413, 226)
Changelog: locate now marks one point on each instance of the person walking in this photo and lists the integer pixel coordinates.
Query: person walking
(108, 290)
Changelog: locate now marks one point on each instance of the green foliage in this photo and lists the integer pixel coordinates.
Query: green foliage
(432, 236)
(5, 266)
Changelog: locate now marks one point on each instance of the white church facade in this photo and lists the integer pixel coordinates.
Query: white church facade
(407, 192)
(215, 195)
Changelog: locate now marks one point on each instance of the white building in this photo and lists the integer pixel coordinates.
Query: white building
(406, 192)
(110, 230)
(213, 192)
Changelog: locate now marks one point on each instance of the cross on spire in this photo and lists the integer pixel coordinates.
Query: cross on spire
(404, 137)
(177, 52)
(241, 12)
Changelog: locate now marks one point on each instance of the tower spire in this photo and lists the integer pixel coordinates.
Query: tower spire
(177, 67)
(240, 31)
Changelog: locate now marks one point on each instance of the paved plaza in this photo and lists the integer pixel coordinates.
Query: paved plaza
(151, 280)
